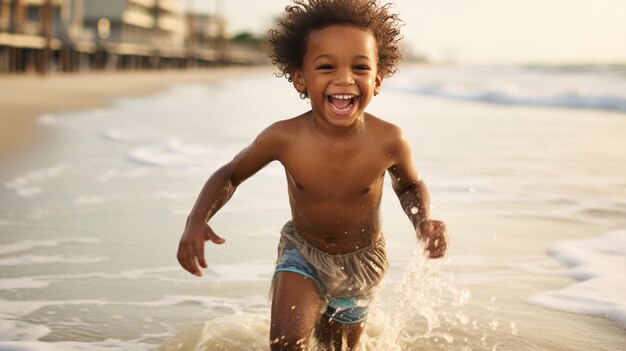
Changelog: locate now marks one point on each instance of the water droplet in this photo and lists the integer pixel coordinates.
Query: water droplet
(293, 307)
(464, 319)
(414, 210)
(494, 324)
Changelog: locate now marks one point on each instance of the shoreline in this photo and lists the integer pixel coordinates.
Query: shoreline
(24, 98)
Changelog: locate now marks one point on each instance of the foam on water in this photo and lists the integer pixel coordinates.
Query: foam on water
(237, 332)
(75, 346)
(48, 259)
(115, 174)
(173, 154)
(518, 86)
(599, 266)
(22, 283)
(29, 184)
(24, 245)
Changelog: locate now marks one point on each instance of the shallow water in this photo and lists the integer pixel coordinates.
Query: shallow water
(534, 198)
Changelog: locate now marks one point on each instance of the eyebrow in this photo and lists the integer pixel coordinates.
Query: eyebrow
(331, 56)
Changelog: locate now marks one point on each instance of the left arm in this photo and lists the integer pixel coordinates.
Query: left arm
(415, 199)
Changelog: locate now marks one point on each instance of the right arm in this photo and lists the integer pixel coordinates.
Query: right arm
(218, 189)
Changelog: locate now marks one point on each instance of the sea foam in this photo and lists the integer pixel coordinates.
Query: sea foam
(28, 185)
(599, 266)
(518, 86)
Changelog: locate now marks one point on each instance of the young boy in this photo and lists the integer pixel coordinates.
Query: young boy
(331, 255)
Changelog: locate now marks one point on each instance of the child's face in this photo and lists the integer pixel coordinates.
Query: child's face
(340, 74)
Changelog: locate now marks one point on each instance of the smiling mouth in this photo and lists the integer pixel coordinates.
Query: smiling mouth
(342, 103)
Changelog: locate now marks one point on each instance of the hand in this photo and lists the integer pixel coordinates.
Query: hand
(435, 236)
(191, 247)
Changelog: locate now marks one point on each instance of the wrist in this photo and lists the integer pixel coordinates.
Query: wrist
(196, 218)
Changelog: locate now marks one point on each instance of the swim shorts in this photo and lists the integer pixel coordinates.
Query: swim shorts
(347, 281)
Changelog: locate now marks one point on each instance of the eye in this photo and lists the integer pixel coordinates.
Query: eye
(324, 67)
(361, 68)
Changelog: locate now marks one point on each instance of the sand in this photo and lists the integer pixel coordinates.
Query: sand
(26, 97)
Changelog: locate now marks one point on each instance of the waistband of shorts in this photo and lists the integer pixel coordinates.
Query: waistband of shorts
(290, 231)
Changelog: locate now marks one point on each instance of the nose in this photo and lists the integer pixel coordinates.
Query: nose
(344, 77)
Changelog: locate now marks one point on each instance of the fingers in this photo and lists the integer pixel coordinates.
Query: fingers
(211, 236)
(187, 258)
(191, 249)
(436, 248)
(198, 251)
(435, 235)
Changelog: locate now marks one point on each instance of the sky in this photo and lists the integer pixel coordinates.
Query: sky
(480, 31)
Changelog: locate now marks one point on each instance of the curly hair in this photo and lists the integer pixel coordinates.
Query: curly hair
(287, 42)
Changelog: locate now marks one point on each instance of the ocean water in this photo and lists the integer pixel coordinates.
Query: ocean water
(527, 167)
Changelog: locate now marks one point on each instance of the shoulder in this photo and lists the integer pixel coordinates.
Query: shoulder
(280, 134)
(392, 138)
(389, 133)
(283, 129)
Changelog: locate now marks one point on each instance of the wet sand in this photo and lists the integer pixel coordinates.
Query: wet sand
(26, 97)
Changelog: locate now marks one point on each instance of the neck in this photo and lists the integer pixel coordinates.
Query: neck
(330, 131)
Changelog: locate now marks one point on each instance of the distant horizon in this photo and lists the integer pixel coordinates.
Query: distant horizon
(476, 32)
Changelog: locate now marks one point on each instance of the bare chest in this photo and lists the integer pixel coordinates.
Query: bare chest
(336, 172)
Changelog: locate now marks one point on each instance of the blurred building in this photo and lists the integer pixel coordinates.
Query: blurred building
(75, 35)
(137, 33)
(206, 36)
(31, 31)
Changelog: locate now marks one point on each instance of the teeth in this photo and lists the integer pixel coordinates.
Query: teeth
(343, 97)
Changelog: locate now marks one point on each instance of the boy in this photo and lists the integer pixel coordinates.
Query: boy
(331, 255)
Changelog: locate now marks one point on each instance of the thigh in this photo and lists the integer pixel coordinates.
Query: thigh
(339, 336)
(296, 308)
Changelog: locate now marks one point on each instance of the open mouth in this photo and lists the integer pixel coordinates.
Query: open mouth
(342, 103)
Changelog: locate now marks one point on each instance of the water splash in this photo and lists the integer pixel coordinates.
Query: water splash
(429, 311)
(426, 311)
(417, 312)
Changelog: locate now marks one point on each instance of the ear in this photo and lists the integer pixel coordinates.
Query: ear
(297, 79)
(378, 83)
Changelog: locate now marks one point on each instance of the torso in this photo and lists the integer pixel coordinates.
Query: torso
(335, 183)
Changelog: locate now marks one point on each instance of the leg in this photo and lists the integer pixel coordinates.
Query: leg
(338, 336)
(296, 308)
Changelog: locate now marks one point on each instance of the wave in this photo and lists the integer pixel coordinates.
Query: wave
(519, 86)
(48, 259)
(173, 154)
(24, 245)
(28, 185)
(599, 265)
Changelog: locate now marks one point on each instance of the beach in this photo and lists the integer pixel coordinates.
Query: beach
(25, 97)
(526, 167)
